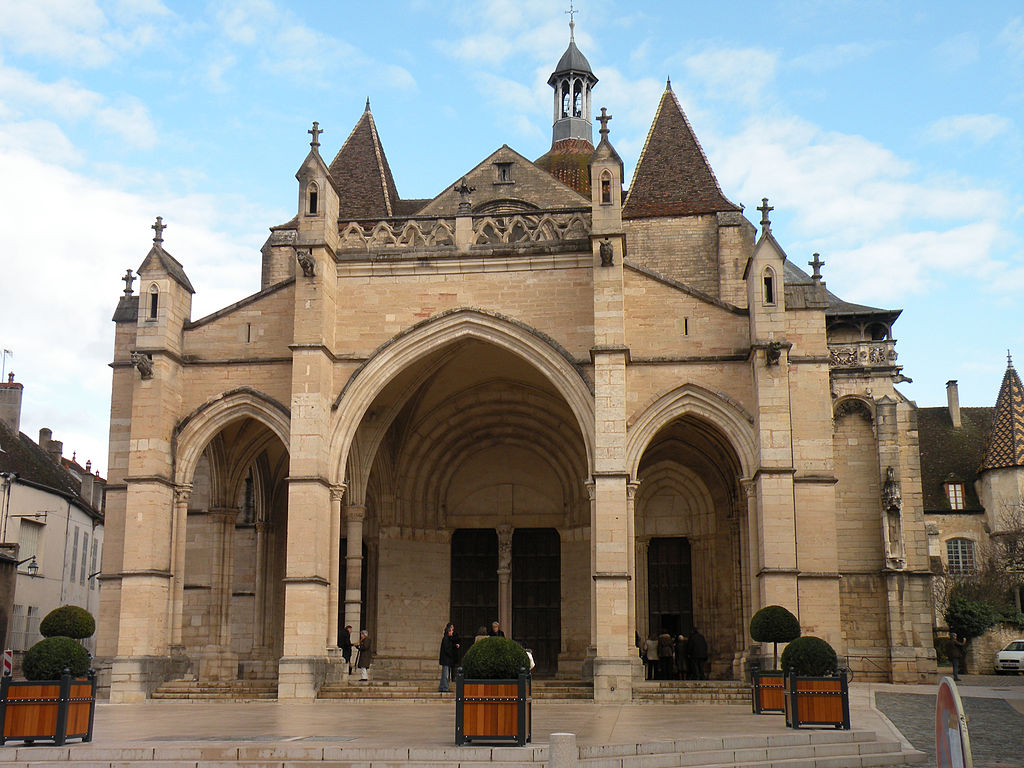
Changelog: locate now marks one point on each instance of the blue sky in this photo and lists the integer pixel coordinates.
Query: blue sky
(888, 136)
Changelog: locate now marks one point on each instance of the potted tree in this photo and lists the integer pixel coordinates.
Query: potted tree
(772, 624)
(815, 693)
(493, 693)
(57, 699)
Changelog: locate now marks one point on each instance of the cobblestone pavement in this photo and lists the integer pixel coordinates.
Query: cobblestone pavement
(995, 725)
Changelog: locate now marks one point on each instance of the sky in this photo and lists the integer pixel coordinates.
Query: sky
(888, 135)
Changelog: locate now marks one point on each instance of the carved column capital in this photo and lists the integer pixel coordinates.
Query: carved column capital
(354, 513)
(338, 491)
(182, 493)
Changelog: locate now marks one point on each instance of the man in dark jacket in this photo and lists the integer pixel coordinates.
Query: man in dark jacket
(698, 650)
(448, 657)
(345, 643)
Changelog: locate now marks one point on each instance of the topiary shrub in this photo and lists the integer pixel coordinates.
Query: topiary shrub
(774, 624)
(969, 618)
(47, 659)
(494, 658)
(810, 656)
(68, 621)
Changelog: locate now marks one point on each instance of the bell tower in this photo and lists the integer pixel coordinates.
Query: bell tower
(572, 82)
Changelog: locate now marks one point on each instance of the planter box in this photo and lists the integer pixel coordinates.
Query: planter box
(817, 701)
(768, 691)
(493, 710)
(51, 710)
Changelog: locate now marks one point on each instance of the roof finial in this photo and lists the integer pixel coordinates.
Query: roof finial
(128, 278)
(572, 24)
(668, 83)
(158, 227)
(764, 208)
(1009, 360)
(464, 191)
(817, 264)
(315, 133)
(367, 104)
(603, 119)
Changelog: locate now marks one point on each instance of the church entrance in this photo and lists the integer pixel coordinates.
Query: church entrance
(536, 595)
(670, 586)
(474, 587)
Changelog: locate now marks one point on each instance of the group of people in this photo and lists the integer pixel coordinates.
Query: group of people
(451, 645)
(364, 657)
(674, 658)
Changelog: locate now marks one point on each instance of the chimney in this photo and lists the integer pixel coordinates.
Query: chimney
(10, 404)
(953, 399)
(53, 447)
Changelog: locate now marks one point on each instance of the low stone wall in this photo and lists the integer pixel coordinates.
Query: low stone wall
(981, 651)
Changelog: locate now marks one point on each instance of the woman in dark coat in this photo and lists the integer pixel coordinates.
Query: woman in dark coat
(448, 658)
(365, 656)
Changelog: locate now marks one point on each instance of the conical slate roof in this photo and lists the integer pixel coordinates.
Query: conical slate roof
(361, 173)
(672, 177)
(1006, 442)
(572, 61)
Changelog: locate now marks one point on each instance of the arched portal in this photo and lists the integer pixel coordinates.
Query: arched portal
(471, 439)
(229, 537)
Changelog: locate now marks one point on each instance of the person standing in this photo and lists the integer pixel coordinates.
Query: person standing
(666, 649)
(698, 650)
(681, 660)
(365, 658)
(495, 630)
(448, 657)
(345, 641)
(651, 656)
(956, 653)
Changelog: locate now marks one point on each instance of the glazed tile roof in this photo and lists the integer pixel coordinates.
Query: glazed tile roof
(1006, 444)
(568, 160)
(361, 173)
(951, 455)
(673, 177)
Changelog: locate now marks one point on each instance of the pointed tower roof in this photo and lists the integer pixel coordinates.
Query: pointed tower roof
(572, 60)
(1006, 442)
(361, 173)
(673, 177)
(159, 260)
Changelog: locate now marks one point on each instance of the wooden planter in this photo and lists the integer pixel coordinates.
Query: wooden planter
(51, 710)
(817, 701)
(768, 691)
(493, 710)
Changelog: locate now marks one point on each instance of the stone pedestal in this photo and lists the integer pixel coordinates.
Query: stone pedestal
(613, 681)
(300, 678)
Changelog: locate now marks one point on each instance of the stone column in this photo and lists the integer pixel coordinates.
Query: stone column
(504, 577)
(218, 661)
(337, 493)
(259, 639)
(354, 516)
(631, 489)
(179, 525)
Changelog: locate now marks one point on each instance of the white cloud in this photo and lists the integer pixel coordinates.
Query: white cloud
(743, 74)
(1012, 36)
(977, 129)
(64, 99)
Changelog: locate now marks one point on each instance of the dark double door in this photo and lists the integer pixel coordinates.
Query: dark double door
(669, 586)
(535, 588)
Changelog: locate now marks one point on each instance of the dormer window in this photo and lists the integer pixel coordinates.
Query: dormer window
(313, 196)
(154, 301)
(955, 495)
(606, 187)
(768, 283)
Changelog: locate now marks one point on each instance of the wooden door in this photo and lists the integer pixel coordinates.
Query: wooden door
(669, 586)
(537, 595)
(474, 590)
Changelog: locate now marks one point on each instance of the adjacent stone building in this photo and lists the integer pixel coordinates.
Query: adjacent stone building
(538, 397)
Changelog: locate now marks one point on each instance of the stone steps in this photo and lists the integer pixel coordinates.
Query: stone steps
(796, 749)
(427, 691)
(236, 690)
(691, 692)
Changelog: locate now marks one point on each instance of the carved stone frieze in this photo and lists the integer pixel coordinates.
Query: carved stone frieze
(873, 354)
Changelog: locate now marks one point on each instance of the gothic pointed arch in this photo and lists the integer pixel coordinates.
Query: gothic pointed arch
(433, 334)
(691, 400)
(196, 430)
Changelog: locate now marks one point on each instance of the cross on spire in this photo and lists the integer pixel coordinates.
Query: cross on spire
(315, 133)
(816, 265)
(603, 118)
(764, 208)
(572, 23)
(1009, 360)
(128, 278)
(158, 227)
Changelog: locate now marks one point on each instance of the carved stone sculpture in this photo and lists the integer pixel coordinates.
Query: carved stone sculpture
(144, 364)
(307, 262)
(606, 253)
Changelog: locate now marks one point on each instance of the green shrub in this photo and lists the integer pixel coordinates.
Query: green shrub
(47, 659)
(494, 658)
(774, 624)
(810, 656)
(969, 618)
(68, 621)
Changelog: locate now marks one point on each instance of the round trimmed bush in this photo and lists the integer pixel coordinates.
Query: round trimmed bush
(68, 621)
(494, 658)
(774, 624)
(47, 659)
(810, 656)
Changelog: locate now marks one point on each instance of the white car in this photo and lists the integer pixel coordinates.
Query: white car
(1011, 658)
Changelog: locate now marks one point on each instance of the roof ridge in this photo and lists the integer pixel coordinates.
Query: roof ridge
(378, 152)
(643, 152)
(693, 133)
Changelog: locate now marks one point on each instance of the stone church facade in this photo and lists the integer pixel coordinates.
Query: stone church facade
(588, 412)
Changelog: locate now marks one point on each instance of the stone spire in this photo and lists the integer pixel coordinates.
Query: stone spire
(1006, 441)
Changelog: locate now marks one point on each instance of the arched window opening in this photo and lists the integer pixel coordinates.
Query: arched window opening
(314, 199)
(878, 332)
(565, 98)
(154, 301)
(768, 280)
(577, 99)
(606, 187)
(960, 556)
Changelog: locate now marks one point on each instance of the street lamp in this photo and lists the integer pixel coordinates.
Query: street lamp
(33, 566)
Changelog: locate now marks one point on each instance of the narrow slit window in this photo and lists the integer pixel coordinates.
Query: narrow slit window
(686, 326)
(314, 199)
(606, 187)
(769, 286)
(154, 301)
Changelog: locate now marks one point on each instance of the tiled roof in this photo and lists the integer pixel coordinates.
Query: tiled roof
(949, 454)
(159, 258)
(362, 175)
(568, 160)
(673, 177)
(1006, 444)
(835, 306)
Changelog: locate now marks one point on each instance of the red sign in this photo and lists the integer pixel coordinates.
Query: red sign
(952, 742)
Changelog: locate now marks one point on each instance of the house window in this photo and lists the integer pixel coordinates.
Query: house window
(29, 535)
(960, 556)
(768, 280)
(85, 556)
(74, 556)
(154, 301)
(955, 494)
(92, 571)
